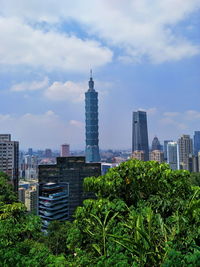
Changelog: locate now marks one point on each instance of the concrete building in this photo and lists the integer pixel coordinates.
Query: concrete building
(185, 145)
(157, 155)
(193, 163)
(21, 194)
(138, 155)
(173, 155)
(140, 133)
(65, 150)
(28, 194)
(31, 199)
(91, 124)
(9, 158)
(70, 170)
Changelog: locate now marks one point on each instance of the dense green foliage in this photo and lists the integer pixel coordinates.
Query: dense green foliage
(144, 214)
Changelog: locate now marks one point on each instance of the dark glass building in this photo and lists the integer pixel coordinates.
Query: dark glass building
(155, 144)
(70, 171)
(91, 124)
(165, 149)
(196, 142)
(140, 133)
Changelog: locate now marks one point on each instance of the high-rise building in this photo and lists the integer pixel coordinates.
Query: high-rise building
(71, 171)
(53, 203)
(165, 148)
(91, 126)
(140, 133)
(185, 145)
(64, 152)
(157, 155)
(31, 199)
(48, 153)
(28, 194)
(155, 144)
(173, 155)
(193, 163)
(9, 158)
(196, 142)
(30, 151)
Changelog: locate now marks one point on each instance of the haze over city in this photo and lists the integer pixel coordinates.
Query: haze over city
(143, 57)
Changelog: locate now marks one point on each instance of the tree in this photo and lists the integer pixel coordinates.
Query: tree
(7, 195)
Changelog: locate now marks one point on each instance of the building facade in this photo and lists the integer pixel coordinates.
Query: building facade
(9, 158)
(65, 150)
(53, 203)
(196, 142)
(185, 145)
(155, 144)
(140, 133)
(165, 148)
(70, 170)
(138, 155)
(173, 155)
(91, 124)
(157, 155)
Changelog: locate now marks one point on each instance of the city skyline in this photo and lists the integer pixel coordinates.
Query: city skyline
(47, 51)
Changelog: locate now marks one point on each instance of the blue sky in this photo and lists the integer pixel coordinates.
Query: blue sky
(144, 56)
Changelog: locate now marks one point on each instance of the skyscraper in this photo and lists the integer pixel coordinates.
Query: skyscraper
(196, 142)
(173, 155)
(64, 152)
(165, 148)
(185, 149)
(155, 144)
(9, 158)
(140, 133)
(91, 120)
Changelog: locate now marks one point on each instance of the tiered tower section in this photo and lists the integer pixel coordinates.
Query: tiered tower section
(92, 129)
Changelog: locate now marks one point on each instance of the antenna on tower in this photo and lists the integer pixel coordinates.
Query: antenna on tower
(90, 73)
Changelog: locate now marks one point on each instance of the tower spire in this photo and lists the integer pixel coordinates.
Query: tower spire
(91, 82)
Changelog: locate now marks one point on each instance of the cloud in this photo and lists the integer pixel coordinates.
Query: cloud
(42, 130)
(22, 44)
(181, 121)
(141, 30)
(171, 114)
(78, 124)
(150, 111)
(192, 115)
(69, 90)
(30, 86)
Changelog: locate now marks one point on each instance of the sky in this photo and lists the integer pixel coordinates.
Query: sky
(145, 55)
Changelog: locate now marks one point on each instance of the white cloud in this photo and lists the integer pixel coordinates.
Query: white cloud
(42, 130)
(192, 115)
(69, 90)
(22, 44)
(150, 111)
(142, 29)
(30, 86)
(78, 124)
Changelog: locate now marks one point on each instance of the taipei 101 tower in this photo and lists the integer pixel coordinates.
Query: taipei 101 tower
(91, 123)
